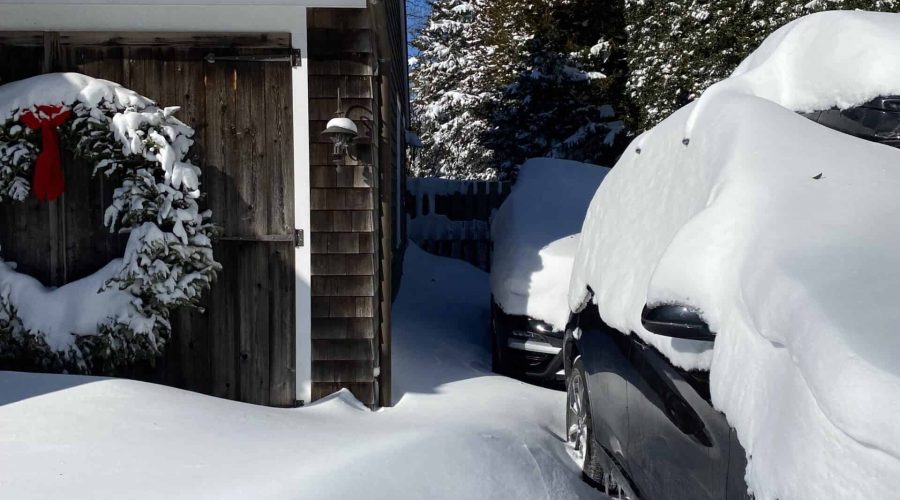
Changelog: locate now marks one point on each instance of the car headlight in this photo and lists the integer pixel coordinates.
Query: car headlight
(538, 326)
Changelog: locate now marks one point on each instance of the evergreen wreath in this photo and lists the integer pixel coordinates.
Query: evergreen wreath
(168, 261)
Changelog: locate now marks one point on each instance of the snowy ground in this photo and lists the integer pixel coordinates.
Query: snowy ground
(457, 430)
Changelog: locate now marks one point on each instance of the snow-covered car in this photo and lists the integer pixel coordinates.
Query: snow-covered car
(734, 293)
(534, 235)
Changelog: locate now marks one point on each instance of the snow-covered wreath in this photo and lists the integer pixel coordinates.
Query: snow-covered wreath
(121, 313)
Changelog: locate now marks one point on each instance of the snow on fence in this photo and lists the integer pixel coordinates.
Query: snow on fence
(452, 218)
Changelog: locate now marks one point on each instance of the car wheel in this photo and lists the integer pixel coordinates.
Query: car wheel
(580, 436)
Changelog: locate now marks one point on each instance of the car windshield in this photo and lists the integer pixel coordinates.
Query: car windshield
(877, 120)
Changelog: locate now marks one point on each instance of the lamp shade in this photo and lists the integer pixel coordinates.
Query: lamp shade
(341, 125)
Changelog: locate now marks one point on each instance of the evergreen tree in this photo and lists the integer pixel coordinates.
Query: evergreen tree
(449, 93)
(567, 75)
(498, 81)
(676, 49)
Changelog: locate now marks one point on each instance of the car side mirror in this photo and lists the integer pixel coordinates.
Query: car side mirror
(676, 321)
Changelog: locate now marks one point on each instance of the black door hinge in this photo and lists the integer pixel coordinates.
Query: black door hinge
(298, 238)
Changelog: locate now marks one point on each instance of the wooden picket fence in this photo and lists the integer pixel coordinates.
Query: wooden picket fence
(453, 218)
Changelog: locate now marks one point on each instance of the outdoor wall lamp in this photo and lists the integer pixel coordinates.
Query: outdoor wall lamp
(344, 133)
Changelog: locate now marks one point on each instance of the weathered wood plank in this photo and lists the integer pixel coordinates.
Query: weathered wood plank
(279, 143)
(343, 286)
(252, 179)
(343, 243)
(351, 64)
(341, 221)
(343, 307)
(193, 329)
(223, 313)
(344, 265)
(338, 19)
(282, 354)
(323, 176)
(325, 108)
(343, 371)
(335, 43)
(342, 349)
(343, 328)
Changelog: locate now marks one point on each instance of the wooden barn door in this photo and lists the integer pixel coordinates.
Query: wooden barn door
(235, 91)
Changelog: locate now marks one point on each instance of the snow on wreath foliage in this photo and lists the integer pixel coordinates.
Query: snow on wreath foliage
(168, 261)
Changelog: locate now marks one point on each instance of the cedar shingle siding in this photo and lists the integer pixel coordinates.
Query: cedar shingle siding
(355, 256)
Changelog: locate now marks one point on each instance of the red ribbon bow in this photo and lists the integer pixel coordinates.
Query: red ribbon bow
(49, 182)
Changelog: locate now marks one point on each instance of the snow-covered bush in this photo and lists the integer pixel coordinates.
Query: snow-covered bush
(784, 234)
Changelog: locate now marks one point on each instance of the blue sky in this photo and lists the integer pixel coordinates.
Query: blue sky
(416, 13)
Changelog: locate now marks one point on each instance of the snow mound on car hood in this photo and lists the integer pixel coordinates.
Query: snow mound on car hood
(533, 234)
(798, 273)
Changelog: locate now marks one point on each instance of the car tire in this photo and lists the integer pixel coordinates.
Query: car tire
(580, 435)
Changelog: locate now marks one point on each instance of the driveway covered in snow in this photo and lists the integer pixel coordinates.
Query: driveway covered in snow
(457, 430)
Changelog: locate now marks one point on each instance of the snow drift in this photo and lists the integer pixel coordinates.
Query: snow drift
(457, 431)
(535, 236)
(798, 273)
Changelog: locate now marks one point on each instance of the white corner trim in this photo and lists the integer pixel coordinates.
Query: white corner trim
(65, 16)
(302, 256)
(174, 4)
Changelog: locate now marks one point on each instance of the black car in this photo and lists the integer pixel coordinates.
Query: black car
(525, 347)
(642, 428)
(534, 237)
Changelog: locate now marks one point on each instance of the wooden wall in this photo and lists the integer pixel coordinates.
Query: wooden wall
(242, 346)
(344, 236)
(357, 212)
(390, 27)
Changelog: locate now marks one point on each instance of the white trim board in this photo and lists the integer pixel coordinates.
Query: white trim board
(67, 16)
(96, 17)
(168, 4)
(302, 255)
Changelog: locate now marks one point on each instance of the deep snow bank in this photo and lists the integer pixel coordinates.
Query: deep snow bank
(458, 431)
(535, 236)
(799, 276)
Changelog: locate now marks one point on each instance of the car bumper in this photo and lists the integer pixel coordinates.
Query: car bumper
(536, 359)
(527, 352)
